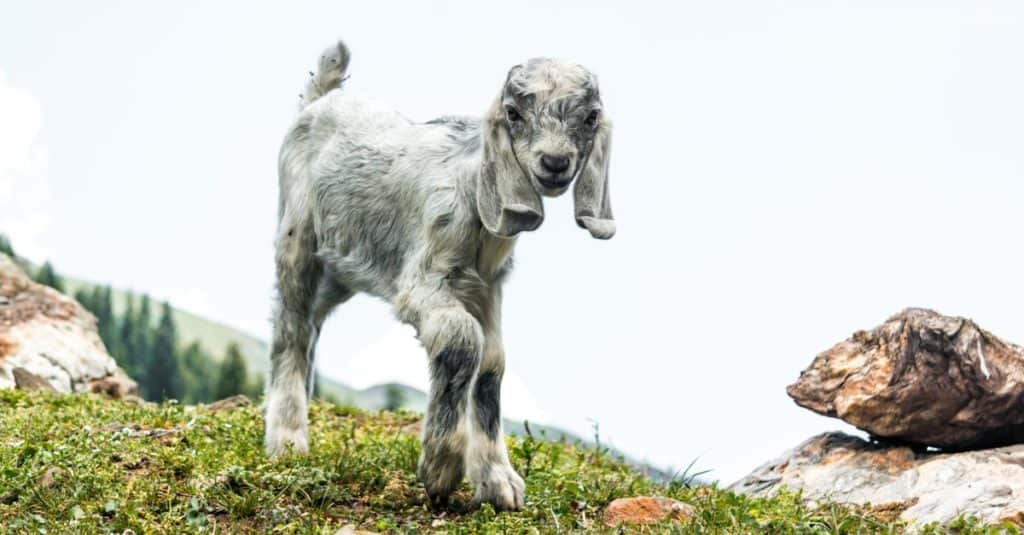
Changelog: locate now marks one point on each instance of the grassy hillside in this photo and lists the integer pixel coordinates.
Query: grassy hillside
(88, 465)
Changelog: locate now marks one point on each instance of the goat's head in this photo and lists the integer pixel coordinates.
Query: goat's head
(545, 130)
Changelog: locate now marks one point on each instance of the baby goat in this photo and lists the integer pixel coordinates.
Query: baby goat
(425, 216)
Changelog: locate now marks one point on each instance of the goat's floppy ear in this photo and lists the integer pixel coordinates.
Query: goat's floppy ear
(506, 200)
(593, 206)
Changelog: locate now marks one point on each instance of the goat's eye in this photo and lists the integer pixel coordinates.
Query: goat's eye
(513, 115)
(592, 119)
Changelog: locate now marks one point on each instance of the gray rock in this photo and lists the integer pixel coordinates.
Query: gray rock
(49, 337)
(26, 380)
(230, 403)
(921, 378)
(933, 487)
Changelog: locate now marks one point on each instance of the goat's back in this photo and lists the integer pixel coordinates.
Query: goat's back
(369, 180)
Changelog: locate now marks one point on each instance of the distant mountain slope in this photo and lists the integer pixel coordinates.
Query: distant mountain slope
(212, 335)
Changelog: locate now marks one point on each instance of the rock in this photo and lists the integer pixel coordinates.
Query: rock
(117, 386)
(49, 337)
(932, 487)
(51, 476)
(26, 380)
(229, 403)
(922, 378)
(645, 510)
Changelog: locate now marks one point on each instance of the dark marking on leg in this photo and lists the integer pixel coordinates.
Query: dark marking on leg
(442, 463)
(487, 397)
(452, 371)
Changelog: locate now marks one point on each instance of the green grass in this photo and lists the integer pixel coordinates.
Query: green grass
(83, 464)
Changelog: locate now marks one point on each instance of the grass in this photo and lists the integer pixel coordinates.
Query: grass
(83, 464)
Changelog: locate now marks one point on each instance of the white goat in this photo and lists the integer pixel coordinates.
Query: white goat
(424, 216)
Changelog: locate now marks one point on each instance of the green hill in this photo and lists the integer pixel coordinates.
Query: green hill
(212, 335)
(84, 464)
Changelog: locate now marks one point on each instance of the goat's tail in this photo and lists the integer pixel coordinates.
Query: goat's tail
(329, 75)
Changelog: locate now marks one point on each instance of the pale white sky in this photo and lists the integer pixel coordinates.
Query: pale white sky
(784, 173)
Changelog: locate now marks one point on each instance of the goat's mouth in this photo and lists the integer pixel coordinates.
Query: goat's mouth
(553, 186)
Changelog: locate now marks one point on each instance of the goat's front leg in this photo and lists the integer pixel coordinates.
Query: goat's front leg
(496, 482)
(453, 339)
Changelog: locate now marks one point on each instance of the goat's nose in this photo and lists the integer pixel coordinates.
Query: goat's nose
(554, 164)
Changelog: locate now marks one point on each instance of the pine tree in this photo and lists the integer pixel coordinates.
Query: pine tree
(48, 276)
(255, 386)
(196, 369)
(145, 313)
(110, 330)
(96, 302)
(318, 387)
(164, 371)
(84, 298)
(232, 377)
(142, 343)
(107, 323)
(394, 398)
(5, 246)
(127, 354)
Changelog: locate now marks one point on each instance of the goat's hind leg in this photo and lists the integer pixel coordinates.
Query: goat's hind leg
(291, 383)
(299, 275)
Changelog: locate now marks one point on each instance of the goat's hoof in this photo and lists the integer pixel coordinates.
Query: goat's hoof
(441, 474)
(280, 442)
(438, 502)
(501, 487)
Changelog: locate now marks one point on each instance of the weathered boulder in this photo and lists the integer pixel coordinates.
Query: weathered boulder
(47, 336)
(933, 487)
(922, 378)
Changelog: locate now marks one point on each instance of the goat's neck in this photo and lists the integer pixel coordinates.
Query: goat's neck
(492, 252)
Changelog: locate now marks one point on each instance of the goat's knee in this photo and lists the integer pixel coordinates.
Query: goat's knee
(451, 329)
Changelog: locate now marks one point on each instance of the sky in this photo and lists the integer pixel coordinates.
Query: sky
(783, 174)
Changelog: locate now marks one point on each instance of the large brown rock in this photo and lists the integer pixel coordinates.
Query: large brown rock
(925, 487)
(47, 337)
(921, 378)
